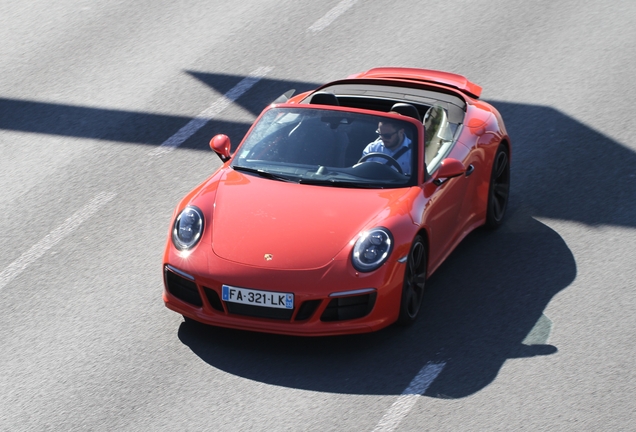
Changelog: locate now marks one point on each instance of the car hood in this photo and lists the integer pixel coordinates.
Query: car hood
(268, 223)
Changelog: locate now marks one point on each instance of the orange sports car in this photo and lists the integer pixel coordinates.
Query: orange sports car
(338, 204)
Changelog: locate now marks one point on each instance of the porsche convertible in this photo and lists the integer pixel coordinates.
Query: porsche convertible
(338, 204)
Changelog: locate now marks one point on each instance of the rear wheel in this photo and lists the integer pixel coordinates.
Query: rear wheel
(414, 282)
(499, 188)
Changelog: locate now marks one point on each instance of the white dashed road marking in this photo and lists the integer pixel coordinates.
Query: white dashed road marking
(401, 407)
(39, 249)
(331, 16)
(54, 237)
(211, 112)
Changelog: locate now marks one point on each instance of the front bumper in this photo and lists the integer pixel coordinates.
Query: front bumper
(328, 301)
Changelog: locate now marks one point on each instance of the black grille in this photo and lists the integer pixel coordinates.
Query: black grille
(346, 308)
(307, 309)
(183, 289)
(259, 311)
(213, 298)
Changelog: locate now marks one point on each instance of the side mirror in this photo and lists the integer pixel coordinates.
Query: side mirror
(221, 146)
(448, 169)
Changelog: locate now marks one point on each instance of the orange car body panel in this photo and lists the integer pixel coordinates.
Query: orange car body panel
(308, 231)
(424, 75)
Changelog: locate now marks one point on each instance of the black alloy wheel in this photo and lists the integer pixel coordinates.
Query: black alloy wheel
(499, 188)
(414, 282)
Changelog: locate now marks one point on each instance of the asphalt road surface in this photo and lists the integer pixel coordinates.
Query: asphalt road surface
(531, 327)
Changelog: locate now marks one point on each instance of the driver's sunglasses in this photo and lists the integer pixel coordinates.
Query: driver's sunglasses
(386, 136)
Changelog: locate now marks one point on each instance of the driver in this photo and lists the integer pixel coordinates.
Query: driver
(393, 142)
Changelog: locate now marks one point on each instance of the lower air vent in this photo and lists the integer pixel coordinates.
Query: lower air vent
(213, 299)
(259, 311)
(307, 309)
(182, 288)
(346, 308)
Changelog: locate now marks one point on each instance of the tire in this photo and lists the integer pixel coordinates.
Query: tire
(414, 283)
(499, 191)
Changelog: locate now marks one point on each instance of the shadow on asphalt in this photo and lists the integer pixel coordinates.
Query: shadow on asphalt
(140, 127)
(480, 305)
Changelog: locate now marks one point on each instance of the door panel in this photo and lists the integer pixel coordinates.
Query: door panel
(441, 216)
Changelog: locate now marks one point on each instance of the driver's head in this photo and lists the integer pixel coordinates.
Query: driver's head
(391, 133)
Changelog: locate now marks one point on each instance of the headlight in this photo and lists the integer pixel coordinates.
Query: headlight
(187, 228)
(372, 249)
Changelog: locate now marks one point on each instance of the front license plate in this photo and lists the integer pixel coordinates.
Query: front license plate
(257, 297)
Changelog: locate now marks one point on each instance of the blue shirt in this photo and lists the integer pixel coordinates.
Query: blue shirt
(377, 146)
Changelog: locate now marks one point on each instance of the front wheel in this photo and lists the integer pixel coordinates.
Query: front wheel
(499, 190)
(414, 282)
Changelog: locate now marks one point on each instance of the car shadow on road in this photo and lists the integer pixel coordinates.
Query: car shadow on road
(480, 306)
(488, 296)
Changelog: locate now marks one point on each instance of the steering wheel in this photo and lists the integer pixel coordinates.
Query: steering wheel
(386, 157)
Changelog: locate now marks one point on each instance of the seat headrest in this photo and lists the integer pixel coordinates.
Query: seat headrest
(406, 110)
(324, 98)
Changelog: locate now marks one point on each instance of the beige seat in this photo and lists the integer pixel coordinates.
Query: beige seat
(436, 132)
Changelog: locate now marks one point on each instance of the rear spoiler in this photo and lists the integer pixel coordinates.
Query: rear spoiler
(424, 75)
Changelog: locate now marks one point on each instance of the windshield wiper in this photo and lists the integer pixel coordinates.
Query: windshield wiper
(336, 183)
(262, 173)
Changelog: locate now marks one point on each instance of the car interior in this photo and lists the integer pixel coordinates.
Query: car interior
(442, 114)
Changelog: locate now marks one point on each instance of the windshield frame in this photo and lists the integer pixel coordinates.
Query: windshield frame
(314, 173)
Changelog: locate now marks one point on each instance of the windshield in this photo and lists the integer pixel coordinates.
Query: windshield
(330, 148)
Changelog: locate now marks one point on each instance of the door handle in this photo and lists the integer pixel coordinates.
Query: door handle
(470, 170)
